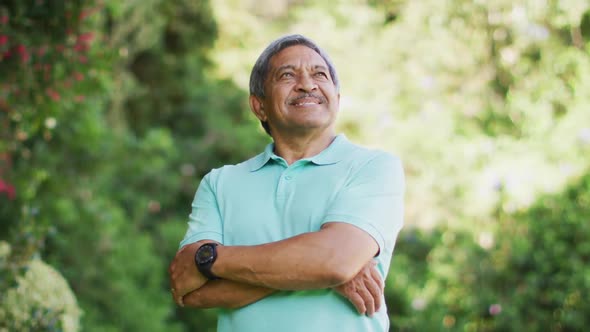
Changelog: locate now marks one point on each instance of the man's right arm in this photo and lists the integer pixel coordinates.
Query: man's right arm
(225, 294)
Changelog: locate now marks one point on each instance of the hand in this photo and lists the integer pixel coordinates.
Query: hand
(365, 290)
(184, 275)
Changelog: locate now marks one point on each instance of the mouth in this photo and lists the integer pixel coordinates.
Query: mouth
(306, 103)
(307, 100)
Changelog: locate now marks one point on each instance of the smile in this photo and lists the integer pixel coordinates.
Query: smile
(307, 100)
(306, 103)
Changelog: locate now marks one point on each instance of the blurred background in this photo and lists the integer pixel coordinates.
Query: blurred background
(111, 112)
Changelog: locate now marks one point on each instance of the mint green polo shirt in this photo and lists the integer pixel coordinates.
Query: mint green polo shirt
(264, 200)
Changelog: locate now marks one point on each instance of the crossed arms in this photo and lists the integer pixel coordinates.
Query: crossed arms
(338, 256)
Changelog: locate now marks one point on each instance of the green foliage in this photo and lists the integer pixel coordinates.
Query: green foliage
(539, 270)
(101, 153)
(111, 112)
(532, 278)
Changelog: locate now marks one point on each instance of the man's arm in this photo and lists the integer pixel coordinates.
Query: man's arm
(216, 293)
(329, 257)
(364, 292)
(190, 287)
(225, 294)
(323, 259)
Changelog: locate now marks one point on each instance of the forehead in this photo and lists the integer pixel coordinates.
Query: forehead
(297, 55)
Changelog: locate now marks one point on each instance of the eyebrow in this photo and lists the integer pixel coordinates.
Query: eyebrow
(284, 67)
(292, 67)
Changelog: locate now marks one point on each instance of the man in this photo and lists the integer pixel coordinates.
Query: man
(298, 237)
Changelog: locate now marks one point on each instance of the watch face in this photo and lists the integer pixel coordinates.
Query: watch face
(205, 254)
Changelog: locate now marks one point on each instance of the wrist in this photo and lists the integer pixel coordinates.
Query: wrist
(205, 258)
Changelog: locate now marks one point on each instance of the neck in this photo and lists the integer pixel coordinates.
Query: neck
(299, 147)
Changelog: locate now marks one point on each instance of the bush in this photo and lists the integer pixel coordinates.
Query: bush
(534, 277)
(42, 300)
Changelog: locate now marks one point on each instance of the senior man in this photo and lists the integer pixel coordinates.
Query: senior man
(300, 237)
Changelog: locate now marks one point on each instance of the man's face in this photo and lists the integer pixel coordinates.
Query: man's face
(300, 94)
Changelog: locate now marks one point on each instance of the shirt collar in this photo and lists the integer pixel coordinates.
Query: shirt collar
(330, 155)
(260, 160)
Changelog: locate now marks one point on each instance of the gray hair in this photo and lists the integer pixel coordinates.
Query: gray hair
(262, 65)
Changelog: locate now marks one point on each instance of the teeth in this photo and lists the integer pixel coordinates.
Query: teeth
(305, 104)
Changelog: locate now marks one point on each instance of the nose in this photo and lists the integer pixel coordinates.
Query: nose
(306, 84)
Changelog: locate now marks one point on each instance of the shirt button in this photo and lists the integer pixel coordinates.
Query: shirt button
(288, 177)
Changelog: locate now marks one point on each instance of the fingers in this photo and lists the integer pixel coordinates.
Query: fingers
(368, 299)
(358, 303)
(377, 287)
(374, 290)
(177, 298)
(365, 291)
(177, 290)
(178, 276)
(376, 276)
(374, 285)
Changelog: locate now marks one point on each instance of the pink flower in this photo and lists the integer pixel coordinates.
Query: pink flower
(53, 94)
(86, 37)
(42, 50)
(495, 309)
(83, 15)
(21, 49)
(3, 40)
(4, 20)
(7, 189)
(80, 47)
(78, 76)
(83, 42)
(24, 54)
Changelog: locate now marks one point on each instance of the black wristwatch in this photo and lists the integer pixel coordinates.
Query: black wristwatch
(204, 259)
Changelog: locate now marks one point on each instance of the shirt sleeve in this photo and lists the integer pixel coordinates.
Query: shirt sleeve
(372, 200)
(205, 219)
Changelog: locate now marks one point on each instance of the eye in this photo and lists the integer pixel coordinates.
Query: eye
(321, 74)
(286, 74)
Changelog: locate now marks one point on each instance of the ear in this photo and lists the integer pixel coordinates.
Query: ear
(257, 107)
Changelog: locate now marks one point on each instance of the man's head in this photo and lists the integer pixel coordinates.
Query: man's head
(293, 76)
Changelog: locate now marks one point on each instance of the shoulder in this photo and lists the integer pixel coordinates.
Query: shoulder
(373, 169)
